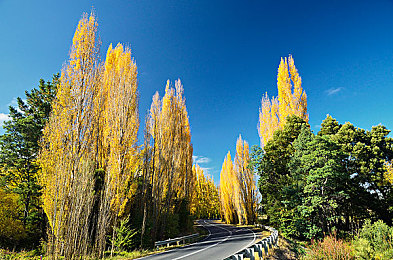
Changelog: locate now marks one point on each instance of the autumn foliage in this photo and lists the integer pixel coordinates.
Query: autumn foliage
(205, 201)
(330, 248)
(228, 185)
(291, 100)
(238, 192)
(89, 153)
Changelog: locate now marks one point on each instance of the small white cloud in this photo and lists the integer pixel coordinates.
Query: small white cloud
(3, 118)
(201, 159)
(333, 91)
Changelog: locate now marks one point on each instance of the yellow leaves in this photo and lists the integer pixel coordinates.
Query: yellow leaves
(85, 40)
(228, 185)
(291, 100)
(66, 137)
(247, 191)
(169, 126)
(268, 118)
(93, 126)
(205, 201)
(238, 193)
(291, 97)
(389, 172)
(11, 227)
(120, 122)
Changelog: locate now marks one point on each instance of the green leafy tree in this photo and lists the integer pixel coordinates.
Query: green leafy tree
(317, 160)
(329, 126)
(375, 241)
(366, 154)
(18, 151)
(276, 182)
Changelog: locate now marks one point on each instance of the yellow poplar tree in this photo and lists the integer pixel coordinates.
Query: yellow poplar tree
(291, 100)
(268, 118)
(246, 197)
(228, 186)
(118, 103)
(171, 175)
(89, 155)
(205, 202)
(66, 159)
(122, 124)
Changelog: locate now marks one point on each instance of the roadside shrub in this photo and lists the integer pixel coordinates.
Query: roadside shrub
(125, 237)
(330, 248)
(12, 255)
(375, 241)
(12, 231)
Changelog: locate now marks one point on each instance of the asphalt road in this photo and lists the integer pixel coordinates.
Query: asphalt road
(223, 240)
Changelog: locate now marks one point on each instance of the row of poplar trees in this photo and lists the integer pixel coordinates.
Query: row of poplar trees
(238, 191)
(90, 176)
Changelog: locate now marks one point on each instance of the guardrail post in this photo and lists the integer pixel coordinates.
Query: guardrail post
(265, 247)
(258, 248)
(250, 253)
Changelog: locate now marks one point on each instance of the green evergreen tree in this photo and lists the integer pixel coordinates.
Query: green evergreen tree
(317, 160)
(19, 146)
(276, 183)
(329, 126)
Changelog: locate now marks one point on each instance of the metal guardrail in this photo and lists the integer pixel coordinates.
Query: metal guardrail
(170, 241)
(262, 247)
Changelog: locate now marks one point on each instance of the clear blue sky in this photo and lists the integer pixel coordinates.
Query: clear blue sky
(225, 52)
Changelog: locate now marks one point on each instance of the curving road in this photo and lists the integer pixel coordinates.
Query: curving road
(223, 240)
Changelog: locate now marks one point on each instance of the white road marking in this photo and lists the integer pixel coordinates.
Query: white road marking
(192, 253)
(252, 242)
(201, 242)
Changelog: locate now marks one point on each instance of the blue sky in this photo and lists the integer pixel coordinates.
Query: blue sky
(225, 52)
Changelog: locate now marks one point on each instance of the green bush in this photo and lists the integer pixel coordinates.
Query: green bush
(375, 241)
(12, 231)
(330, 248)
(12, 255)
(126, 237)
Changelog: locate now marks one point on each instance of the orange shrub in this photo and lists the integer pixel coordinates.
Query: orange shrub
(330, 249)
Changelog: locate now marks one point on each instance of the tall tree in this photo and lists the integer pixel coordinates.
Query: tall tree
(205, 202)
(246, 199)
(317, 160)
(291, 100)
(275, 182)
(89, 155)
(238, 192)
(171, 177)
(68, 146)
(228, 189)
(268, 118)
(118, 153)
